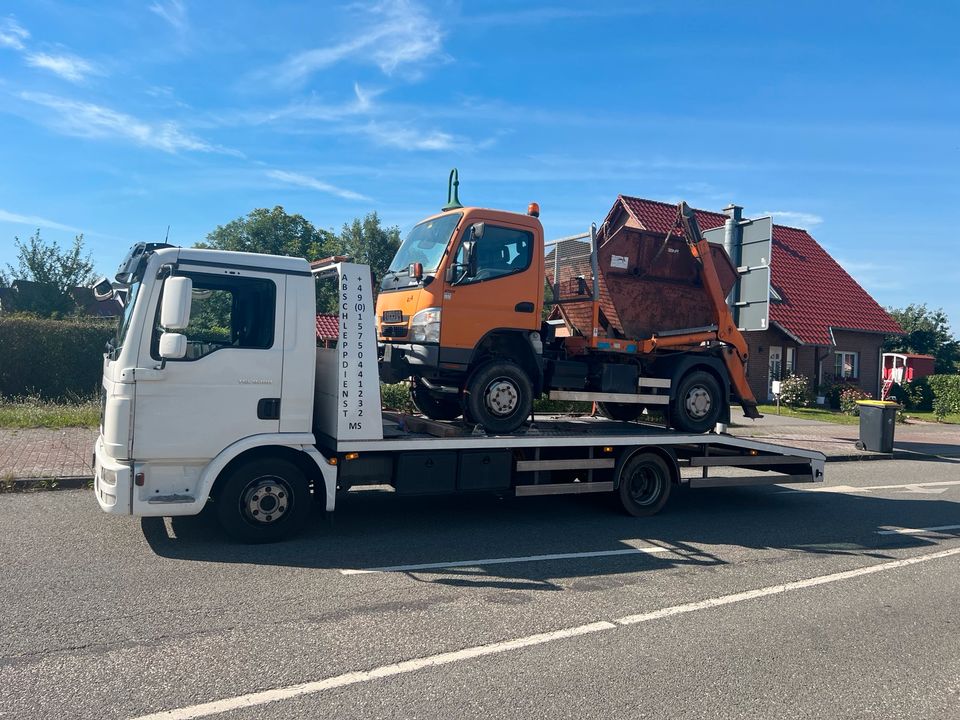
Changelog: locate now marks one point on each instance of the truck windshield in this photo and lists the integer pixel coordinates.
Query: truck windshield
(113, 348)
(425, 243)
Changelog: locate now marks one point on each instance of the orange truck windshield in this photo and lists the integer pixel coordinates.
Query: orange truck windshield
(425, 243)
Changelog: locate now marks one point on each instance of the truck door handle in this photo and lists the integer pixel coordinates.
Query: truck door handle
(525, 307)
(268, 409)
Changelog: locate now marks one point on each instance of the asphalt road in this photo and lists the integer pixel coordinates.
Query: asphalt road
(759, 602)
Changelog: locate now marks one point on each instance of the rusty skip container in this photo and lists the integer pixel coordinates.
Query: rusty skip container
(648, 283)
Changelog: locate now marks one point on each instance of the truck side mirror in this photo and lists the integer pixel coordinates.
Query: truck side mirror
(416, 271)
(103, 289)
(470, 255)
(476, 231)
(173, 346)
(175, 310)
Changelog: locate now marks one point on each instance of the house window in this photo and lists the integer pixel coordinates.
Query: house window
(846, 365)
(789, 363)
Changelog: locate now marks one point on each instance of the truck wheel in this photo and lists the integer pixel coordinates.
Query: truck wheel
(264, 500)
(697, 404)
(433, 407)
(625, 412)
(644, 484)
(499, 396)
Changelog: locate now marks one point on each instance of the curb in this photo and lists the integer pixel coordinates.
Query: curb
(25, 485)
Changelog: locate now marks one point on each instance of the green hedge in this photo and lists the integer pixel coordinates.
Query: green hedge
(946, 394)
(52, 359)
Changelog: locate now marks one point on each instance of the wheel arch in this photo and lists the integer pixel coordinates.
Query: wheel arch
(677, 367)
(666, 455)
(511, 345)
(298, 449)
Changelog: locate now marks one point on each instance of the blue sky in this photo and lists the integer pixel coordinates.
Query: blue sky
(120, 118)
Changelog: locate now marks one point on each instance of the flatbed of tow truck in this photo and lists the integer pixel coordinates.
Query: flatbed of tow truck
(560, 455)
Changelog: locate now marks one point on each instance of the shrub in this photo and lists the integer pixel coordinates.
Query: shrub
(916, 395)
(795, 391)
(848, 400)
(52, 359)
(396, 397)
(946, 394)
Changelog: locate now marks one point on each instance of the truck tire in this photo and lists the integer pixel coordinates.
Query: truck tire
(625, 412)
(264, 500)
(697, 405)
(499, 396)
(433, 407)
(644, 484)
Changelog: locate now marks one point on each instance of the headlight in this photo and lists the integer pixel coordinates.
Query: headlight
(425, 326)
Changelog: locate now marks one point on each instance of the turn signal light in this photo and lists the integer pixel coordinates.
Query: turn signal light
(351, 456)
(533, 209)
(608, 449)
(138, 479)
(331, 461)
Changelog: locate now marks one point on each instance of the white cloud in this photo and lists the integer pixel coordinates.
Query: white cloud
(311, 109)
(796, 219)
(406, 137)
(34, 221)
(69, 67)
(312, 183)
(399, 33)
(174, 12)
(82, 119)
(12, 34)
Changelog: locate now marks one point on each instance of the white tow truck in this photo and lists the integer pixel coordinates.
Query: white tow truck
(214, 391)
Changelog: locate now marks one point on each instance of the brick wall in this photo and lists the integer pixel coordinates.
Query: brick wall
(758, 364)
(806, 358)
(867, 346)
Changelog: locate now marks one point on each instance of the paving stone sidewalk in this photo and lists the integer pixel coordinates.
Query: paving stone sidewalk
(46, 453)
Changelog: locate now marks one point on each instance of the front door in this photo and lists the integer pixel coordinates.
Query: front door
(188, 410)
(775, 368)
(503, 293)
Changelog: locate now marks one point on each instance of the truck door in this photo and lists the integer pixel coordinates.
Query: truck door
(228, 385)
(504, 292)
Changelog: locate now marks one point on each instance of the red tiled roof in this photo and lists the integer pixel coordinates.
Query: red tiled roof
(328, 327)
(817, 294)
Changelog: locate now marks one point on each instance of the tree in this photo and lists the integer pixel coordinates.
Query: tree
(927, 332)
(366, 241)
(56, 271)
(273, 232)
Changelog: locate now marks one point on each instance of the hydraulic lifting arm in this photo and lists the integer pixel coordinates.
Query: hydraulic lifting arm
(735, 351)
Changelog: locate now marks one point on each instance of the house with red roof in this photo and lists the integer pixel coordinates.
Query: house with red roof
(823, 324)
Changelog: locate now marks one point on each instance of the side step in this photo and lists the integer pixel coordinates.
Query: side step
(564, 488)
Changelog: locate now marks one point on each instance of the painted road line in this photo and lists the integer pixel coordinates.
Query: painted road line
(352, 678)
(506, 560)
(909, 487)
(407, 666)
(917, 531)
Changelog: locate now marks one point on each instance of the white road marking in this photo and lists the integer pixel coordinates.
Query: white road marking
(506, 560)
(352, 678)
(909, 487)
(917, 531)
(408, 666)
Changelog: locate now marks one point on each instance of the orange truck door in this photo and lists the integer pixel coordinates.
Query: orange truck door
(505, 292)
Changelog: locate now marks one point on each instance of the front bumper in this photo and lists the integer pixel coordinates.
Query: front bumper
(112, 482)
(400, 361)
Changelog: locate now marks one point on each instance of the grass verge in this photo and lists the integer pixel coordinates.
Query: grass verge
(814, 413)
(952, 418)
(32, 412)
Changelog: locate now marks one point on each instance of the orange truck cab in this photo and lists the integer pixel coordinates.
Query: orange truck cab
(465, 293)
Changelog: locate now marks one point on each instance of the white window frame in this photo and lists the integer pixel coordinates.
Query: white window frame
(839, 361)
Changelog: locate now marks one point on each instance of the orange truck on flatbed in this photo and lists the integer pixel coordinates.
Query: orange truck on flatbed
(460, 313)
